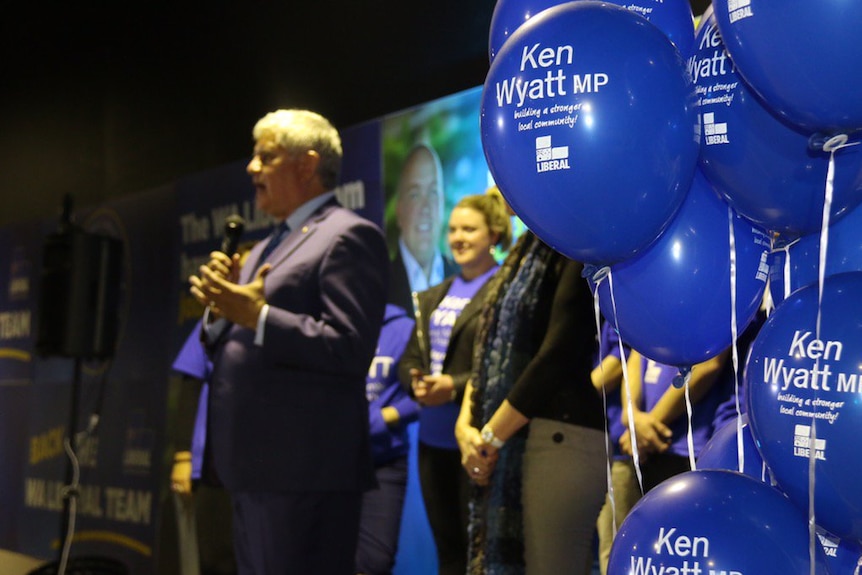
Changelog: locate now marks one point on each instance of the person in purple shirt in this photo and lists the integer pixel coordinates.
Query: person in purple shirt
(438, 362)
(390, 409)
(660, 421)
(212, 513)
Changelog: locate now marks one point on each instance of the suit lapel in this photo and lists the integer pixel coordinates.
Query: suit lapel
(297, 237)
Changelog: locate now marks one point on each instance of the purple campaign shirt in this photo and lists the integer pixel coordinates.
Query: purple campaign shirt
(657, 378)
(437, 424)
(193, 361)
(609, 346)
(383, 389)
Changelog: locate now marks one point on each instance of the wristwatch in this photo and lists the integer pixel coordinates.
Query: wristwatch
(488, 437)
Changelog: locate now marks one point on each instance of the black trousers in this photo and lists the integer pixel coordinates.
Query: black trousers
(380, 524)
(661, 466)
(446, 493)
(296, 533)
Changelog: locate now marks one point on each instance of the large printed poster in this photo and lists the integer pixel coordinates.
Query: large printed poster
(432, 157)
(20, 246)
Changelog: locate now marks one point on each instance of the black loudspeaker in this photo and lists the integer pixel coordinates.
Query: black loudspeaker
(79, 295)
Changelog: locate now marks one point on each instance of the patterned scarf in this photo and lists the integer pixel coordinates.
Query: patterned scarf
(503, 350)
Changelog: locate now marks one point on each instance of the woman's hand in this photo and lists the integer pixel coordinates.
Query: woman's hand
(476, 458)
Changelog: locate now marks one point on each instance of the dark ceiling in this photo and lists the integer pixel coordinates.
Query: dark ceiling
(101, 99)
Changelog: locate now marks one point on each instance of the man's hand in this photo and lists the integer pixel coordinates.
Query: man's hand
(240, 304)
(181, 474)
(436, 390)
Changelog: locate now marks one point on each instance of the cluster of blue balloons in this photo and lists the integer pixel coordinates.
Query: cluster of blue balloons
(669, 160)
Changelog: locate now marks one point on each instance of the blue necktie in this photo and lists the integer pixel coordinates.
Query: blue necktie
(278, 233)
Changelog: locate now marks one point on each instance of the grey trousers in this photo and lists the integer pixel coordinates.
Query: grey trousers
(564, 486)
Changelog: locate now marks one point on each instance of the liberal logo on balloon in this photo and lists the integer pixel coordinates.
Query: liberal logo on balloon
(804, 385)
(589, 129)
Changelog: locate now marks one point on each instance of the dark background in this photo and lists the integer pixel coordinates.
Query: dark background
(102, 99)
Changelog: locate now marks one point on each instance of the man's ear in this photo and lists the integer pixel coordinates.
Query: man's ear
(307, 164)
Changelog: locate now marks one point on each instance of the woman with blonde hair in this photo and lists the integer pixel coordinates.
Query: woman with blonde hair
(438, 362)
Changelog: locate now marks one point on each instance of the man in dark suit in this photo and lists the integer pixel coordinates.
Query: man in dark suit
(418, 263)
(292, 333)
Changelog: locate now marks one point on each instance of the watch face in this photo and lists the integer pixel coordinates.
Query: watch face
(487, 435)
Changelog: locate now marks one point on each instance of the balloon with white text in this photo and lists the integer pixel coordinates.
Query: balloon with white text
(673, 17)
(761, 164)
(711, 522)
(804, 388)
(588, 127)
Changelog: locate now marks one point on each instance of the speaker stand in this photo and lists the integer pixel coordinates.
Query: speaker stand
(71, 479)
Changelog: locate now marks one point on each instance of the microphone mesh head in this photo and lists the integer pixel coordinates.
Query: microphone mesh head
(234, 222)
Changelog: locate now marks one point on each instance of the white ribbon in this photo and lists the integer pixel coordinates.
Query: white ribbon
(832, 145)
(608, 446)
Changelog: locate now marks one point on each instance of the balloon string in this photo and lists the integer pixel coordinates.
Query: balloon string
(779, 244)
(812, 533)
(824, 236)
(690, 434)
(608, 446)
(787, 271)
(629, 404)
(831, 146)
(734, 333)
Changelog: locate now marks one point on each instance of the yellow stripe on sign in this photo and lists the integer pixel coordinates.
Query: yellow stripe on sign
(19, 354)
(109, 537)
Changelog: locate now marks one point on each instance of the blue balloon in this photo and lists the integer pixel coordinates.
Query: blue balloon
(843, 254)
(842, 556)
(673, 299)
(801, 57)
(762, 165)
(711, 522)
(673, 17)
(796, 380)
(588, 127)
(722, 452)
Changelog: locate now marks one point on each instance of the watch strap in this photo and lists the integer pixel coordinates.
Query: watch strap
(489, 437)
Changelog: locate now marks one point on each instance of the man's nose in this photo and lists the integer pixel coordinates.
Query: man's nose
(426, 202)
(253, 166)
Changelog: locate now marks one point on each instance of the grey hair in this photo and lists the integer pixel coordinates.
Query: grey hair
(298, 131)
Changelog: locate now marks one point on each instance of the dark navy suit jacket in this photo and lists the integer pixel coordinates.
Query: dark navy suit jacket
(291, 415)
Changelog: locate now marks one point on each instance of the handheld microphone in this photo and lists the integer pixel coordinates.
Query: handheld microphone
(233, 228)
